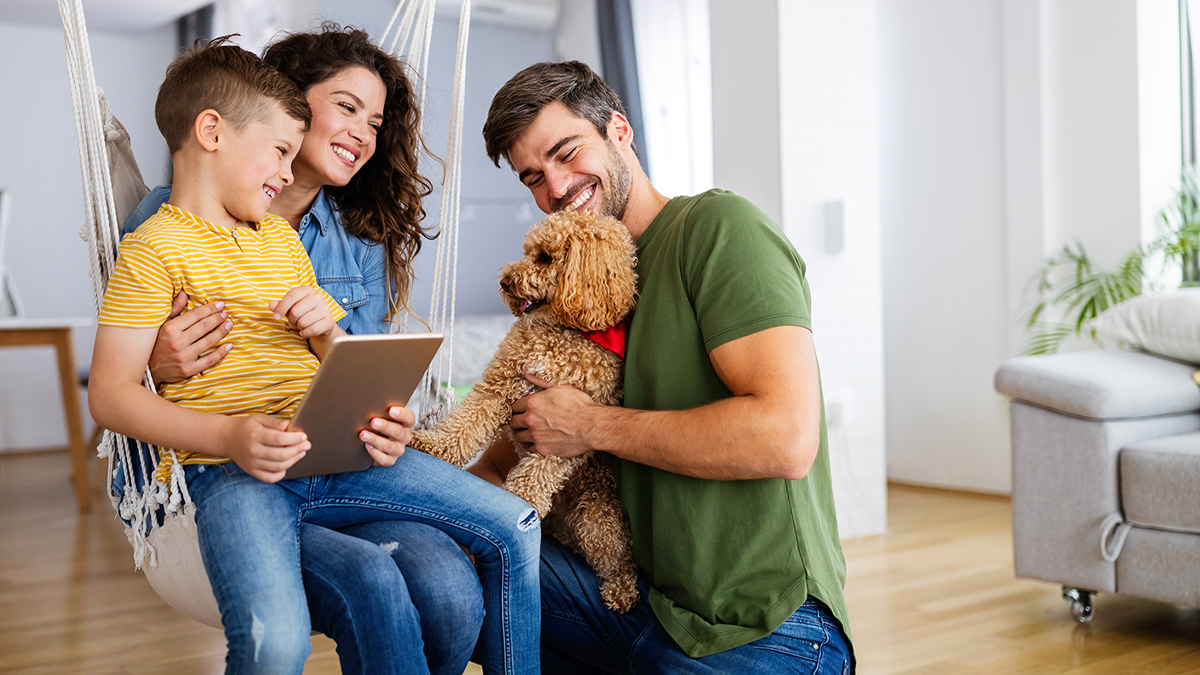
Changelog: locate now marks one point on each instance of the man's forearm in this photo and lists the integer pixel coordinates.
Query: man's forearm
(768, 428)
(731, 439)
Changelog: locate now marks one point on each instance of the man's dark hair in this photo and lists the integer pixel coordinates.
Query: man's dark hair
(523, 97)
(225, 78)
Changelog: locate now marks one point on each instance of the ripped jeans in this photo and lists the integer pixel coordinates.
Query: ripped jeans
(249, 541)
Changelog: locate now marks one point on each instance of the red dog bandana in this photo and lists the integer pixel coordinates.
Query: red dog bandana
(612, 338)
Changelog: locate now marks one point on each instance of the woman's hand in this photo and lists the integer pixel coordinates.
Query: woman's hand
(386, 438)
(184, 346)
(263, 446)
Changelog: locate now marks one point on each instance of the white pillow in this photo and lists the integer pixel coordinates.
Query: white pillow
(1168, 325)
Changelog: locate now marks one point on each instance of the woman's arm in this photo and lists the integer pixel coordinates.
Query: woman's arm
(185, 343)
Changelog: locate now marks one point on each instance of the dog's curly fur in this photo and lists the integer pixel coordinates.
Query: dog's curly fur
(577, 274)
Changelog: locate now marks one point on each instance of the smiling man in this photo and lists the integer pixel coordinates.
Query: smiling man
(720, 447)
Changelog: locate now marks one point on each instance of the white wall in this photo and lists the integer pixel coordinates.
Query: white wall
(795, 124)
(745, 100)
(40, 165)
(829, 146)
(1008, 128)
(941, 197)
(1091, 124)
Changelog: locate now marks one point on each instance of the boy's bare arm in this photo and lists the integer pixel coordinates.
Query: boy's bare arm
(118, 401)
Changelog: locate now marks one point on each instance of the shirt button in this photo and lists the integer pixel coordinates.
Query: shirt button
(345, 300)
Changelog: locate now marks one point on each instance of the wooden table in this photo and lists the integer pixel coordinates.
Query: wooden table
(57, 333)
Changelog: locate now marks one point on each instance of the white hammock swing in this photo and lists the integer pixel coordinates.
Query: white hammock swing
(112, 187)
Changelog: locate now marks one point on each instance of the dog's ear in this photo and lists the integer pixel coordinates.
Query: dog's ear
(597, 285)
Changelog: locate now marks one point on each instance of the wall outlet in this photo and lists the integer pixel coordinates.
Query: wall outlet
(839, 408)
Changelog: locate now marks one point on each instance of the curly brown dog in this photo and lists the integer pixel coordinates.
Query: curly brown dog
(576, 278)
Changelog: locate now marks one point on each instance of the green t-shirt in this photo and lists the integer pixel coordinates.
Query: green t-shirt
(727, 561)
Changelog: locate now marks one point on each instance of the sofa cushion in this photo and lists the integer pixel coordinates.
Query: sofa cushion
(1167, 324)
(1160, 480)
(1109, 384)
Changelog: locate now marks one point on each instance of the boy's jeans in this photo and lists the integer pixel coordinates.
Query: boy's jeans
(581, 635)
(249, 540)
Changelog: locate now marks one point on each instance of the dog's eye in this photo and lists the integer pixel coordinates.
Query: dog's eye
(544, 258)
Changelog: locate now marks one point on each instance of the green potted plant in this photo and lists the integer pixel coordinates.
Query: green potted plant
(1072, 290)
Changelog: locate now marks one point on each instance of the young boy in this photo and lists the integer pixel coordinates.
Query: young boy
(233, 125)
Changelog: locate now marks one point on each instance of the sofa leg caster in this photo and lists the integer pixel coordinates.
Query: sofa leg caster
(1080, 603)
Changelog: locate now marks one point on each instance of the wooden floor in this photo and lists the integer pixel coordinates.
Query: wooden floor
(936, 595)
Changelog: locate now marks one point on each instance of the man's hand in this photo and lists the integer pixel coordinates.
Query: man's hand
(184, 346)
(556, 421)
(263, 446)
(305, 311)
(386, 438)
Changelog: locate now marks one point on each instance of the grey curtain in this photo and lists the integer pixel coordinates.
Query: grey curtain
(618, 60)
(189, 27)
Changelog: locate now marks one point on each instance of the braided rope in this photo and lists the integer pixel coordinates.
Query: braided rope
(93, 126)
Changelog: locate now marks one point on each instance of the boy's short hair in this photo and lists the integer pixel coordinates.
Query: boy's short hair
(228, 79)
(523, 97)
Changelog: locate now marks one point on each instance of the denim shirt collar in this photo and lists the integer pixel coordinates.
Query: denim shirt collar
(321, 211)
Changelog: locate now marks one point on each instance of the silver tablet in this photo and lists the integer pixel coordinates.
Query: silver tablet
(360, 377)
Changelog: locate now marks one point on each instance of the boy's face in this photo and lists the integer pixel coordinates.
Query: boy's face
(257, 163)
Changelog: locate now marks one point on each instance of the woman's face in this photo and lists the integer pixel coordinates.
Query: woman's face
(347, 110)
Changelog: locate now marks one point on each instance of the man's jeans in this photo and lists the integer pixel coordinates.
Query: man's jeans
(370, 601)
(250, 543)
(581, 635)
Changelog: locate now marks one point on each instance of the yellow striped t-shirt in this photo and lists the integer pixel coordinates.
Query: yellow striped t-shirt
(270, 365)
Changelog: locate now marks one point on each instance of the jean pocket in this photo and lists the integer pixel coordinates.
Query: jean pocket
(797, 637)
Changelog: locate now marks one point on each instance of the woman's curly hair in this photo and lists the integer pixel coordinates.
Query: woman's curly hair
(382, 203)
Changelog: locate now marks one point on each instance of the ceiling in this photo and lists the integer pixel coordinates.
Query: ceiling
(109, 15)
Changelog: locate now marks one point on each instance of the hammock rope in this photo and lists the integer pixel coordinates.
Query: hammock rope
(435, 391)
(143, 497)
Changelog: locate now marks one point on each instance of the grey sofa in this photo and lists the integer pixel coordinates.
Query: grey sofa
(1106, 475)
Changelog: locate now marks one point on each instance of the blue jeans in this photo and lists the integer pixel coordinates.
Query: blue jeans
(424, 594)
(250, 542)
(581, 635)
(353, 597)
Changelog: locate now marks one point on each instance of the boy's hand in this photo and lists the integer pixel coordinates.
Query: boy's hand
(305, 311)
(184, 346)
(386, 438)
(263, 446)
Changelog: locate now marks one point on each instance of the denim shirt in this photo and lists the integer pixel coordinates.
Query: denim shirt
(352, 270)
